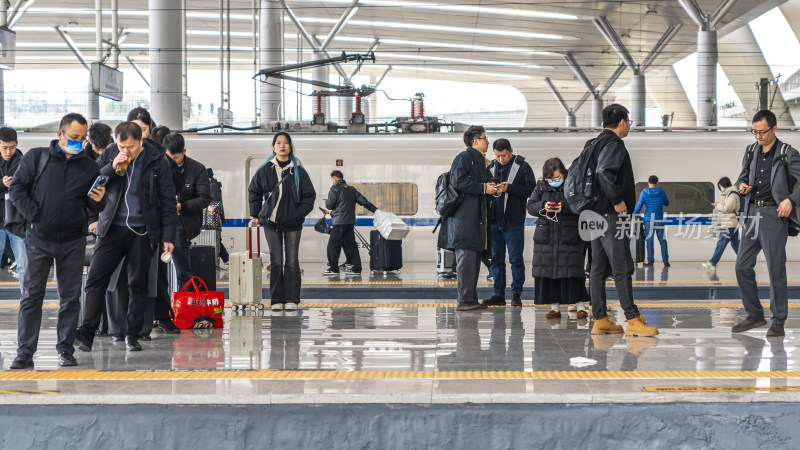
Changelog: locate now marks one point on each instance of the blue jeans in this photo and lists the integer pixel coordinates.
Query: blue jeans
(509, 234)
(181, 257)
(655, 229)
(18, 247)
(729, 235)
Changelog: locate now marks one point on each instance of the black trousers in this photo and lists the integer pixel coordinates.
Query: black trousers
(119, 242)
(343, 236)
(284, 277)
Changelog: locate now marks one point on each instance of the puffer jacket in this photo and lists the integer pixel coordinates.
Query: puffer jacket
(467, 228)
(557, 246)
(341, 201)
(726, 212)
(654, 199)
(265, 196)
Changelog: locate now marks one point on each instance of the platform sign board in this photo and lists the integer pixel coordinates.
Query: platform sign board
(8, 48)
(225, 117)
(106, 82)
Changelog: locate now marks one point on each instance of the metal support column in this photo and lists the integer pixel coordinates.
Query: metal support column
(597, 111)
(638, 99)
(114, 60)
(93, 100)
(165, 62)
(4, 5)
(345, 107)
(271, 55)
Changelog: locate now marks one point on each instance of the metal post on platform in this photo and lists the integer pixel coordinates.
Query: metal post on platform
(93, 100)
(166, 105)
(271, 55)
(638, 99)
(4, 5)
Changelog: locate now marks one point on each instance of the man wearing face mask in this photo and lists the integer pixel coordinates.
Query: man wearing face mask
(52, 190)
(141, 212)
(515, 181)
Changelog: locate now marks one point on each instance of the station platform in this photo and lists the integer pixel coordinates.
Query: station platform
(416, 373)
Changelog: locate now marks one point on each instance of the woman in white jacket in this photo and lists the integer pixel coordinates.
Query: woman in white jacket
(726, 220)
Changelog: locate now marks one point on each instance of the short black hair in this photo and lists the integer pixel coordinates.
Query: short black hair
(613, 114)
(174, 143)
(725, 182)
(159, 133)
(550, 167)
(472, 133)
(8, 134)
(100, 135)
(338, 174)
(69, 118)
(766, 114)
(501, 145)
(141, 113)
(653, 179)
(127, 130)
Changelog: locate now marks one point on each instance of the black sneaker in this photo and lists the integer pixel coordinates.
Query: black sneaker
(144, 337)
(83, 342)
(666, 264)
(647, 264)
(22, 362)
(66, 360)
(118, 337)
(516, 300)
(495, 300)
(168, 327)
(132, 345)
(748, 325)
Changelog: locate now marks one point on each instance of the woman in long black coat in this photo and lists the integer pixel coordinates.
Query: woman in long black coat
(558, 273)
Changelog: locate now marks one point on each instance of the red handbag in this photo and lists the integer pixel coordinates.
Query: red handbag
(199, 309)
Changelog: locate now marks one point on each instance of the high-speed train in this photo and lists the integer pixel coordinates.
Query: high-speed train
(398, 172)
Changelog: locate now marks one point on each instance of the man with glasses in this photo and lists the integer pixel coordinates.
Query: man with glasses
(769, 170)
(9, 163)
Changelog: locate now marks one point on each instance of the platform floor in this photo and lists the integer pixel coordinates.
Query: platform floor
(420, 352)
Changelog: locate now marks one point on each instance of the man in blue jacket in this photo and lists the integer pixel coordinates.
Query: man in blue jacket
(654, 199)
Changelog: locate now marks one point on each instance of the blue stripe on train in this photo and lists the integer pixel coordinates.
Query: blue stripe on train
(431, 221)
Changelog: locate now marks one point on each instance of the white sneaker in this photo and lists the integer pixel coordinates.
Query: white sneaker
(709, 266)
(13, 266)
(290, 306)
(277, 306)
(330, 273)
(572, 308)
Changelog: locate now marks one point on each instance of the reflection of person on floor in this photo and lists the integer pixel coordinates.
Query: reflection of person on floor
(284, 337)
(500, 356)
(470, 356)
(754, 352)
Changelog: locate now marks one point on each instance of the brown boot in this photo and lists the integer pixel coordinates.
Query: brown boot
(638, 327)
(606, 326)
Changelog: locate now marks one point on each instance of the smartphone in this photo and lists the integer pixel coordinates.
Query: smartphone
(100, 181)
(495, 181)
(552, 205)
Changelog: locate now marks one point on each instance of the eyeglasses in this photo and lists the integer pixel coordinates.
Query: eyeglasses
(484, 138)
(762, 133)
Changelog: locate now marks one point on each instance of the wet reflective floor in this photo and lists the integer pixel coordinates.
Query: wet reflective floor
(390, 351)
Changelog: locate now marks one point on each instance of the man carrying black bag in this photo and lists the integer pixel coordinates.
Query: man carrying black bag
(13, 224)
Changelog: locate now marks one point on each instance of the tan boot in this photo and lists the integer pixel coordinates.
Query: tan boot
(637, 345)
(638, 327)
(606, 326)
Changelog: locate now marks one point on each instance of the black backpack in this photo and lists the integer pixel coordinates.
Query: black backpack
(580, 189)
(447, 197)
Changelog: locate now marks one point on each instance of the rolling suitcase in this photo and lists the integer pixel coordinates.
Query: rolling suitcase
(641, 238)
(210, 237)
(245, 275)
(445, 261)
(204, 264)
(384, 255)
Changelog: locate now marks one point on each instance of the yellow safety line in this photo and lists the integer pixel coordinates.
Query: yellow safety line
(345, 283)
(721, 388)
(388, 374)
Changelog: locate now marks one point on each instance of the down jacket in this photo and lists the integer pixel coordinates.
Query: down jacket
(557, 246)
(264, 196)
(466, 229)
(726, 211)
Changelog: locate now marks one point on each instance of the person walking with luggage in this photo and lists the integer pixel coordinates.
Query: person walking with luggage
(50, 190)
(466, 230)
(14, 233)
(770, 169)
(611, 250)
(192, 200)
(654, 199)
(281, 196)
(139, 215)
(516, 181)
(726, 221)
(341, 205)
(559, 277)
(214, 215)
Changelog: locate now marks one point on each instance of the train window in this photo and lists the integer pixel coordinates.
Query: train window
(685, 197)
(399, 198)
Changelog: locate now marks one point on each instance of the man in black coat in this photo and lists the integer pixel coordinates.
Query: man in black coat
(140, 213)
(192, 200)
(467, 229)
(611, 251)
(14, 233)
(515, 181)
(52, 189)
(341, 205)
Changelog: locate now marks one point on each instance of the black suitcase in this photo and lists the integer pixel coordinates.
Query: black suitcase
(640, 242)
(204, 264)
(384, 255)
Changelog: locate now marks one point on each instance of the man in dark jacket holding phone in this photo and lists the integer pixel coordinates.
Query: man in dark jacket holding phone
(467, 229)
(341, 205)
(11, 158)
(140, 213)
(192, 200)
(52, 190)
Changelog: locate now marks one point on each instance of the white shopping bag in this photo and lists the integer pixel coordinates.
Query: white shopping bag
(389, 225)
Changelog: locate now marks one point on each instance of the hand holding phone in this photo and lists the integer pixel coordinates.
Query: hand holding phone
(100, 181)
(551, 205)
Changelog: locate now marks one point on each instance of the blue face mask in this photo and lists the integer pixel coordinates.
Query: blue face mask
(73, 147)
(555, 183)
(722, 190)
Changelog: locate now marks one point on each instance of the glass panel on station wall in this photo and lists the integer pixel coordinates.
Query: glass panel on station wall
(399, 198)
(685, 197)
